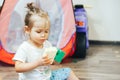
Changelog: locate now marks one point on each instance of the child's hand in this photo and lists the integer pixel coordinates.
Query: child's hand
(45, 60)
(55, 63)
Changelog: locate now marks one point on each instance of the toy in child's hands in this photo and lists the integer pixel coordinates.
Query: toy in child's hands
(54, 53)
(59, 56)
(51, 52)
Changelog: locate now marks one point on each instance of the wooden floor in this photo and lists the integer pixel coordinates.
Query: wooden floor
(102, 63)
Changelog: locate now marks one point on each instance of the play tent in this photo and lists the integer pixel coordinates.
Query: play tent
(62, 31)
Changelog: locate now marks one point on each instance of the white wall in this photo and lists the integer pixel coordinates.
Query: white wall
(103, 19)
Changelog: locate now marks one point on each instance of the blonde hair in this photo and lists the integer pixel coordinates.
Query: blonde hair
(34, 10)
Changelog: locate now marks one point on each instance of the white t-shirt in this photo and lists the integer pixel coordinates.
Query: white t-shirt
(29, 53)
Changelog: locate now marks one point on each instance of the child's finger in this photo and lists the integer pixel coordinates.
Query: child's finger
(45, 56)
(48, 61)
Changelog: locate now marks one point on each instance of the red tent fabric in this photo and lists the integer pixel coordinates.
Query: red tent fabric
(62, 32)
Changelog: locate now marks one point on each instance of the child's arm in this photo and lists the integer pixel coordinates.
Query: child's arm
(24, 67)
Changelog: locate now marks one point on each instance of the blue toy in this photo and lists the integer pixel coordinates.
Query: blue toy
(81, 31)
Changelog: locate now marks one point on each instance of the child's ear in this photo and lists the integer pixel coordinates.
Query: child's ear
(26, 29)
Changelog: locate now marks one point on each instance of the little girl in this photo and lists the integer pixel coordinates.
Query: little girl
(29, 60)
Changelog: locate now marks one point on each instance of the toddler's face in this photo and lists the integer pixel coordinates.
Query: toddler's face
(40, 31)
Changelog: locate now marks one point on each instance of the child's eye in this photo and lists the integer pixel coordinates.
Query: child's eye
(38, 31)
(46, 31)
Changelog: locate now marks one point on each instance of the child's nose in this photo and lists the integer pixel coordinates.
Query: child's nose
(42, 34)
